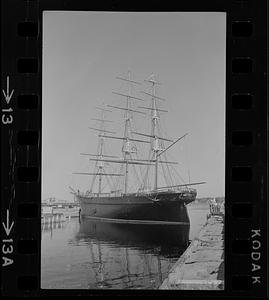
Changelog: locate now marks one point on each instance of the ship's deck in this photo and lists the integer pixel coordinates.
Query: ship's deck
(143, 193)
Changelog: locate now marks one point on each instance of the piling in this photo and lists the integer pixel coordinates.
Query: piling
(52, 218)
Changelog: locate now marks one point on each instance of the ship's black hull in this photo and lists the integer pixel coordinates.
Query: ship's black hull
(134, 208)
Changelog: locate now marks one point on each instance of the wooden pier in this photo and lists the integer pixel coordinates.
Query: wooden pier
(57, 215)
(201, 267)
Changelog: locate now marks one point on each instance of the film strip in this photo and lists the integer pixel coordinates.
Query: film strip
(246, 244)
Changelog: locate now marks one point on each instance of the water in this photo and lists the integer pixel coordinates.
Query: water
(100, 255)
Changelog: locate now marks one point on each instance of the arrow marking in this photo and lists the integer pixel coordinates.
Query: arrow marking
(6, 226)
(6, 93)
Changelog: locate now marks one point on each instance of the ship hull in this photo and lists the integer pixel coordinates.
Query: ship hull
(154, 208)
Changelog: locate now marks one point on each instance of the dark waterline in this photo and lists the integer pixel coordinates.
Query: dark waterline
(99, 255)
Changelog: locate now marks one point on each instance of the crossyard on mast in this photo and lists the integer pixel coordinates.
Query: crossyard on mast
(152, 95)
(149, 108)
(127, 95)
(89, 154)
(104, 121)
(152, 136)
(127, 109)
(101, 130)
(124, 138)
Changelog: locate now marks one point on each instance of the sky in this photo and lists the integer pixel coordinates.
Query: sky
(84, 52)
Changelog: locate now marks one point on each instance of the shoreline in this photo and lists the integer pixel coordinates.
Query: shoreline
(201, 266)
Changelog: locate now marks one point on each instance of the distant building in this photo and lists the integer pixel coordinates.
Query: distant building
(53, 200)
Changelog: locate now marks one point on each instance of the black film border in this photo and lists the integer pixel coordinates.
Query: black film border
(246, 260)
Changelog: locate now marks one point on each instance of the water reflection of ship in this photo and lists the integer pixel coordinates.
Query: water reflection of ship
(152, 237)
(140, 251)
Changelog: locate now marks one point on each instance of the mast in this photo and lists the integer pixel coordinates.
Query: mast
(99, 165)
(156, 145)
(156, 141)
(154, 120)
(126, 146)
(102, 127)
(126, 143)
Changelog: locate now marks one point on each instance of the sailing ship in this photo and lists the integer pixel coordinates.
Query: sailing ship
(145, 202)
